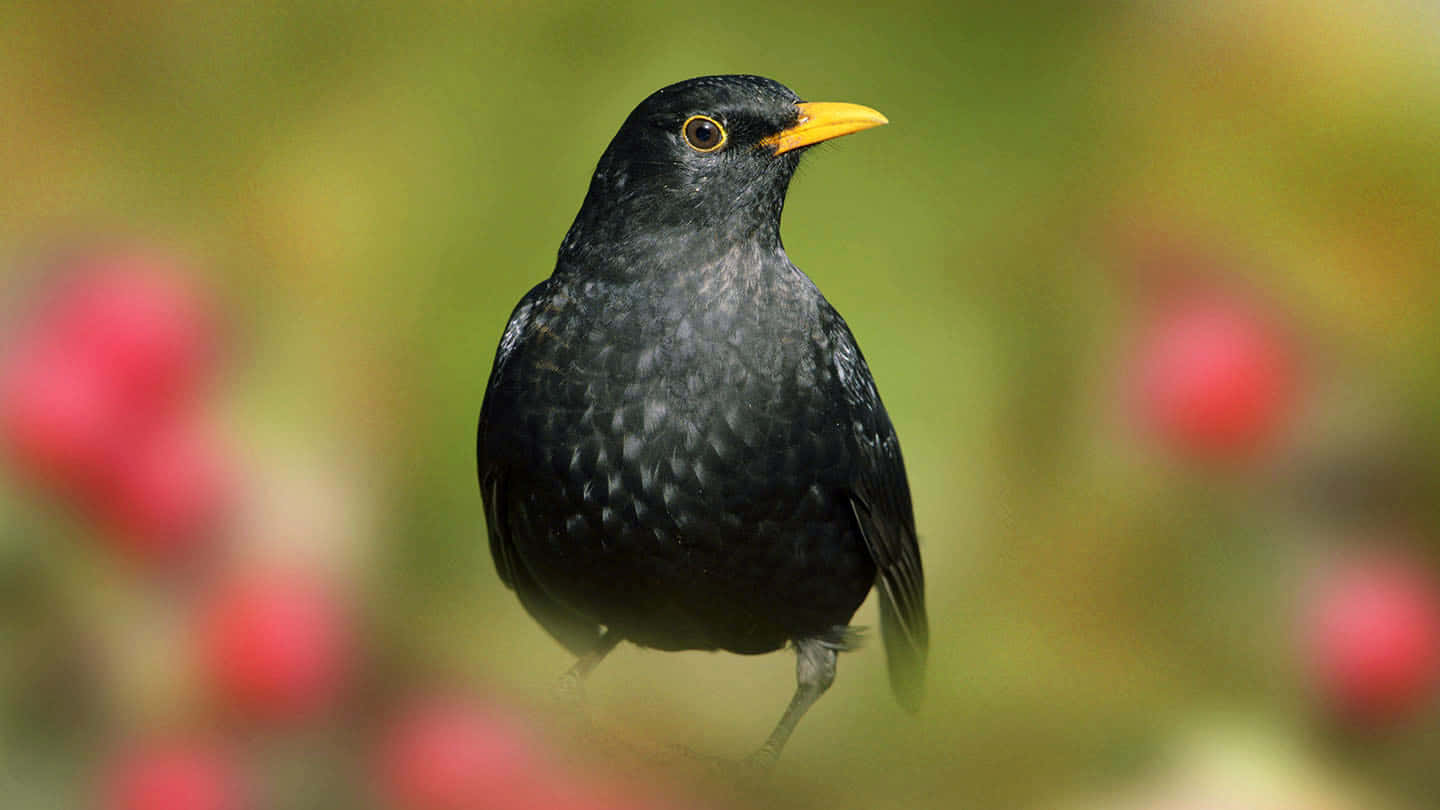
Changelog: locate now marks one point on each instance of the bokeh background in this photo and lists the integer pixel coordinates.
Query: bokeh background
(349, 199)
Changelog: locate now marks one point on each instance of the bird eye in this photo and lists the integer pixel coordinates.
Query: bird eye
(704, 134)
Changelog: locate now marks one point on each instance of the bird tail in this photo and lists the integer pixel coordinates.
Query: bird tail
(906, 634)
(900, 579)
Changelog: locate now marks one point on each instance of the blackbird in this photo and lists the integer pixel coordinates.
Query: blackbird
(681, 445)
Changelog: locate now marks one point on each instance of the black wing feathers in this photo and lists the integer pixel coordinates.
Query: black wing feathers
(880, 499)
(576, 633)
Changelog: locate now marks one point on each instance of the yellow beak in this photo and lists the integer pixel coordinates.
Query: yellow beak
(821, 121)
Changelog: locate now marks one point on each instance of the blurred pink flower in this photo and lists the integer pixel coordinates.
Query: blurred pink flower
(173, 491)
(1216, 381)
(448, 754)
(173, 775)
(99, 396)
(59, 421)
(1372, 635)
(141, 320)
(276, 646)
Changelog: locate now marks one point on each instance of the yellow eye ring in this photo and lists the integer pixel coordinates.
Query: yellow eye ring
(703, 133)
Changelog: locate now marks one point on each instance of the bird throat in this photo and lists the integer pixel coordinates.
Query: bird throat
(625, 229)
(731, 250)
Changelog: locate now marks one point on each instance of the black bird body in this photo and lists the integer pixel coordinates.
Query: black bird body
(689, 488)
(681, 444)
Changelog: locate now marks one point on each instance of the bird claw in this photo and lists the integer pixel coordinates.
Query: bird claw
(569, 692)
(568, 695)
(750, 770)
(762, 761)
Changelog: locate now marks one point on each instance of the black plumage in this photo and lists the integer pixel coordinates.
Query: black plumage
(681, 444)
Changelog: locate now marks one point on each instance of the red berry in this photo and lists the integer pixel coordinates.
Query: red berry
(173, 776)
(142, 323)
(171, 492)
(57, 418)
(1374, 637)
(1216, 379)
(276, 648)
(450, 755)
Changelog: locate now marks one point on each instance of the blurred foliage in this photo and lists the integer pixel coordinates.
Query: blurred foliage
(374, 185)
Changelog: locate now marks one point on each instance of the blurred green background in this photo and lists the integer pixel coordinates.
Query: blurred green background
(374, 185)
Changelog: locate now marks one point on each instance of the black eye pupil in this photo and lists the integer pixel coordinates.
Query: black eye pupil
(702, 133)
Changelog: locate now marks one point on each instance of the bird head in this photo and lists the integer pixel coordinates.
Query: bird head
(708, 158)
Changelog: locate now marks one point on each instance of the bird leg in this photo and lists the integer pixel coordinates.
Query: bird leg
(814, 672)
(569, 690)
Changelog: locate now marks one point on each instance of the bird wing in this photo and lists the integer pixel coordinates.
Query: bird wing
(880, 500)
(575, 632)
(488, 458)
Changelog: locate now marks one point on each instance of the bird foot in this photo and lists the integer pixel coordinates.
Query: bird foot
(569, 692)
(750, 771)
(568, 695)
(762, 760)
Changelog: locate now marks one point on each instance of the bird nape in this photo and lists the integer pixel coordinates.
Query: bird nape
(681, 445)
